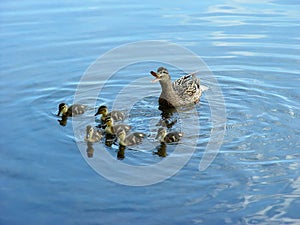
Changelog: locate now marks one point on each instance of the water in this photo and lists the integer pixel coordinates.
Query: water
(253, 50)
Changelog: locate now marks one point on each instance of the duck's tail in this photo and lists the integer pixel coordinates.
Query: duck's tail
(203, 88)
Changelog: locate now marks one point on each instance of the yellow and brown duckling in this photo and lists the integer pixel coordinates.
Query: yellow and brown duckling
(73, 110)
(171, 137)
(92, 134)
(130, 139)
(113, 129)
(114, 115)
(184, 91)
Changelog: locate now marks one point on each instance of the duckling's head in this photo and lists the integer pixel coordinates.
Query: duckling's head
(108, 121)
(161, 133)
(62, 109)
(89, 131)
(102, 110)
(161, 74)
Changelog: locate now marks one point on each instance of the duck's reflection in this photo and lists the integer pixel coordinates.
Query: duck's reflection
(63, 121)
(161, 150)
(90, 150)
(166, 117)
(110, 139)
(121, 152)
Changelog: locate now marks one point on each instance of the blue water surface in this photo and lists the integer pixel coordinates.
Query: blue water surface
(252, 48)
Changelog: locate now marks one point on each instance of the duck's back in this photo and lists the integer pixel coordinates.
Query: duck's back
(117, 115)
(187, 85)
(76, 109)
(134, 138)
(173, 137)
(188, 88)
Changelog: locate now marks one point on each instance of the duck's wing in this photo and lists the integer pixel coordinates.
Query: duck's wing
(120, 127)
(173, 137)
(117, 115)
(76, 109)
(135, 138)
(187, 85)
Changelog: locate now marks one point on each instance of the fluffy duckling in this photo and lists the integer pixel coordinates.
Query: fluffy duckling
(93, 135)
(113, 129)
(171, 137)
(114, 115)
(73, 110)
(130, 139)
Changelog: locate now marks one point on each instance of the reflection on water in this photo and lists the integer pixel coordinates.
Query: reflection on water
(90, 150)
(161, 150)
(63, 121)
(168, 119)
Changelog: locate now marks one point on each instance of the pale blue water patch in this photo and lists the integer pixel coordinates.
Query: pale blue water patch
(251, 47)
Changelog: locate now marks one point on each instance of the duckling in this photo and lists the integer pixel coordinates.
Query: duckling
(113, 129)
(73, 110)
(114, 115)
(93, 135)
(130, 139)
(171, 137)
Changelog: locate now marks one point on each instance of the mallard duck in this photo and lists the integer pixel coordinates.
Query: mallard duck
(73, 110)
(171, 137)
(184, 91)
(93, 135)
(114, 115)
(130, 139)
(113, 129)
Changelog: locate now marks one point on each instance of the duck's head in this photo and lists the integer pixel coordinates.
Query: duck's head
(108, 121)
(62, 109)
(89, 131)
(161, 74)
(161, 133)
(102, 110)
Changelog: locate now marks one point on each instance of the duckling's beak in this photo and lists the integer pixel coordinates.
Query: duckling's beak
(97, 113)
(156, 75)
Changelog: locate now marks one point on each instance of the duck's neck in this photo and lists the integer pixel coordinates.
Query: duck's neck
(168, 97)
(105, 113)
(166, 88)
(109, 129)
(122, 140)
(66, 112)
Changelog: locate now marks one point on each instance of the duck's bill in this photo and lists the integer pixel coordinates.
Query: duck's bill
(157, 78)
(59, 111)
(96, 114)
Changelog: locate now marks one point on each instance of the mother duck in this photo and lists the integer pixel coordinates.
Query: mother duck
(184, 91)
